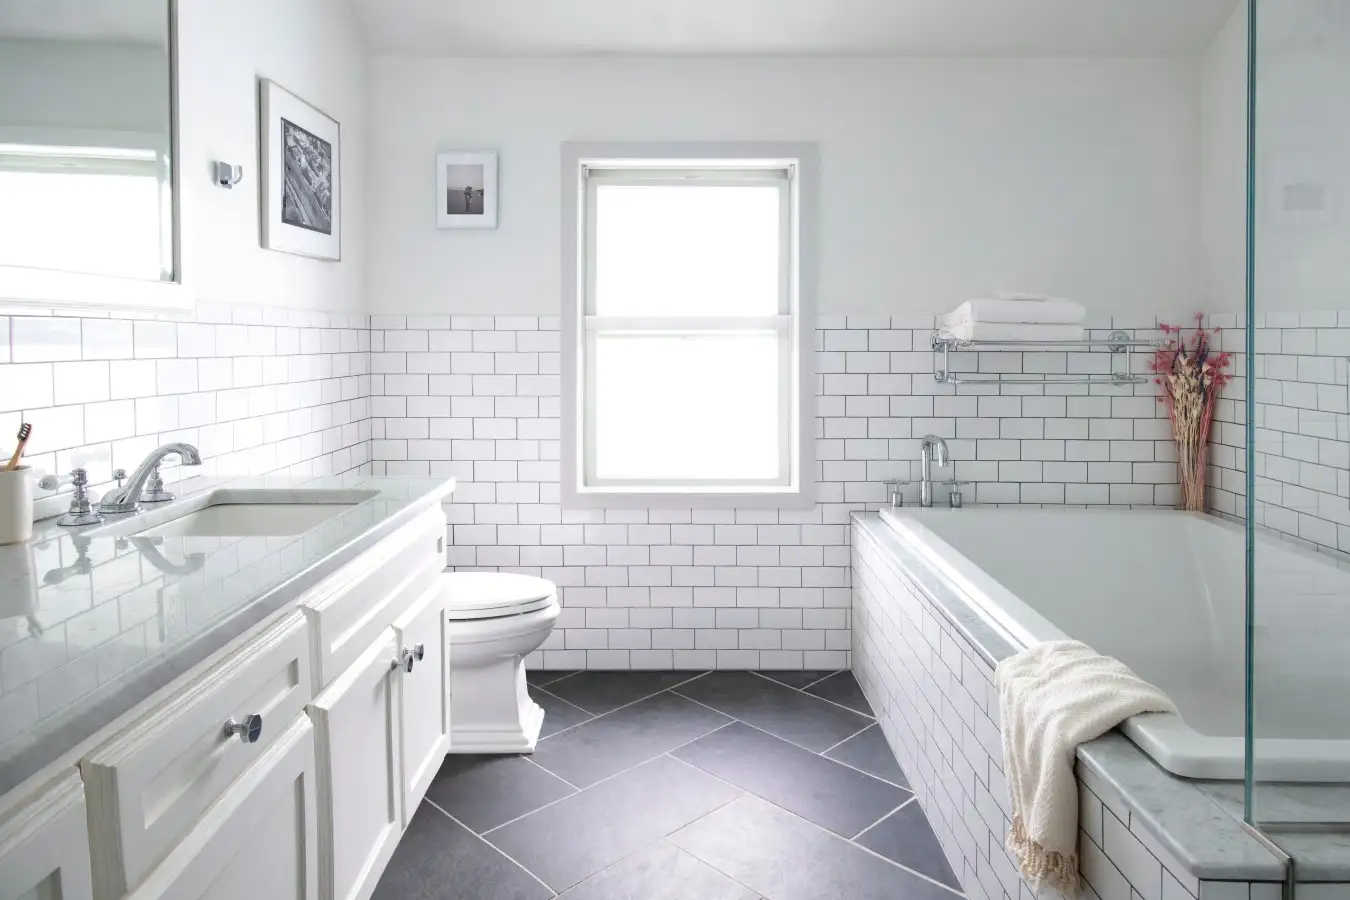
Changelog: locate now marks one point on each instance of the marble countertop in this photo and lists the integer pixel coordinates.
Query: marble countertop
(1188, 821)
(92, 623)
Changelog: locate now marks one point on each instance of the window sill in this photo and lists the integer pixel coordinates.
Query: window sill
(803, 497)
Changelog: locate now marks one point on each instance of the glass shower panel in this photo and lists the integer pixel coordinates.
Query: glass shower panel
(1297, 790)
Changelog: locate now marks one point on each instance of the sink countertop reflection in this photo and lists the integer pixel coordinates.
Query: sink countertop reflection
(93, 620)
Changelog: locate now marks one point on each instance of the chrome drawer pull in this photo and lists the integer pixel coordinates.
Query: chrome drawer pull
(248, 731)
(405, 660)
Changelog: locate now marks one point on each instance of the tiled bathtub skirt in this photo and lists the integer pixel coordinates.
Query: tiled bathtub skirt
(935, 700)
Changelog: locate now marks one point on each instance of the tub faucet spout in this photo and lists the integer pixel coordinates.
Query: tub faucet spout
(932, 449)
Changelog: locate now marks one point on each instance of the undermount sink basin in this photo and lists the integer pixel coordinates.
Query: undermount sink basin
(246, 513)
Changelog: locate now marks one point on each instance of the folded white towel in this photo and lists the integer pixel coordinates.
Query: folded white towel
(1053, 697)
(1011, 332)
(1018, 309)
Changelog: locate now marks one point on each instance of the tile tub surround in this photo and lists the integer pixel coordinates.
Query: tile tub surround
(924, 658)
(675, 785)
(257, 390)
(478, 398)
(101, 623)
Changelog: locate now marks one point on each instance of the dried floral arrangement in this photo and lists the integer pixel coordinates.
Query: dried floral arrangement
(1191, 376)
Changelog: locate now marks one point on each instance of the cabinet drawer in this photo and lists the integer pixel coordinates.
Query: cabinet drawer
(352, 609)
(258, 840)
(148, 786)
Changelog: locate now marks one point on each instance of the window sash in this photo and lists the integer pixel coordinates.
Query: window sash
(784, 325)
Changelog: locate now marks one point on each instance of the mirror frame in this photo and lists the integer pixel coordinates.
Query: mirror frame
(56, 289)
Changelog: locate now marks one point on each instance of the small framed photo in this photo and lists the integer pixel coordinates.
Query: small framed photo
(466, 190)
(301, 180)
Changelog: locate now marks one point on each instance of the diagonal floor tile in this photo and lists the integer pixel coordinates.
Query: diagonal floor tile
(661, 872)
(907, 838)
(870, 752)
(797, 680)
(559, 715)
(787, 858)
(438, 859)
(541, 677)
(821, 790)
(842, 688)
(779, 710)
(609, 744)
(485, 791)
(602, 692)
(577, 837)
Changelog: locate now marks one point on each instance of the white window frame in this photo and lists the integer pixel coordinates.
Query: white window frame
(792, 167)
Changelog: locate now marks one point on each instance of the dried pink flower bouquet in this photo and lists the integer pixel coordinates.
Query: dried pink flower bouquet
(1192, 377)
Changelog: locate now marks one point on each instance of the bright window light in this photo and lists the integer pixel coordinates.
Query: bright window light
(688, 342)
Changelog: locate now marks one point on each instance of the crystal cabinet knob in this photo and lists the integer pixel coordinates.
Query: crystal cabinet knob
(420, 651)
(248, 730)
(405, 660)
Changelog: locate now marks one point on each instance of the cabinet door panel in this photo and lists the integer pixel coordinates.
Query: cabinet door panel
(44, 852)
(424, 699)
(259, 840)
(153, 781)
(355, 606)
(356, 720)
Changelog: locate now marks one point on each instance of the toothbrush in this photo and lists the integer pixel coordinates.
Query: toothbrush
(24, 431)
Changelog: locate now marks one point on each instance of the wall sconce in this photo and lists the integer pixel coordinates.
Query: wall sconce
(227, 175)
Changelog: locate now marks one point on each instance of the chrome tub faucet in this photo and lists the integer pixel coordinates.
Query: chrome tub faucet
(932, 449)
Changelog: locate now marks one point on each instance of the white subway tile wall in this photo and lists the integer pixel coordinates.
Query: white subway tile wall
(258, 391)
(1302, 430)
(478, 398)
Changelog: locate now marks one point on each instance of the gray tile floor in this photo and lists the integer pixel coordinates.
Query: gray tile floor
(679, 786)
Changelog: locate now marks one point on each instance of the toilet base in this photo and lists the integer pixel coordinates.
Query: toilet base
(491, 710)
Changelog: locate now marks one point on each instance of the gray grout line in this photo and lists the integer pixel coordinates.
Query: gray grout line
(847, 739)
(822, 678)
(594, 716)
(527, 758)
(814, 696)
(882, 819)
(606, 778)
(800, 747)
(493, 846)
(544, 690)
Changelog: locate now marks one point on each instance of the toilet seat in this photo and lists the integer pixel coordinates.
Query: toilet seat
(492, 595)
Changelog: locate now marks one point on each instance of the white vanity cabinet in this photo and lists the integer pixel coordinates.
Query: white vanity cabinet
(44, 853)
(423, 696)
(361, 812)
(259, 839)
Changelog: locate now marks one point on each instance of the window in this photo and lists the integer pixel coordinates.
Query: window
(686, 332)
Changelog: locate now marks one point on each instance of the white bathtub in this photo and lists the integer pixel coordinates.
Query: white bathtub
(1163, 592)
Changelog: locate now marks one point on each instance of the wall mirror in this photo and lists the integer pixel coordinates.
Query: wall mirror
(90, 207)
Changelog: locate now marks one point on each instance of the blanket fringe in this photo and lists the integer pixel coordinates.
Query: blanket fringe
(1042, 867)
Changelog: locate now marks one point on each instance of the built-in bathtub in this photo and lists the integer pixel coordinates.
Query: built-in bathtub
(1163, 592)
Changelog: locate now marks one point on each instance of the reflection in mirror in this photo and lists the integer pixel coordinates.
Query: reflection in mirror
(85, 137)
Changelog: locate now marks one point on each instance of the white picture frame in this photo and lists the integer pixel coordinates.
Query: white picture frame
(466, 189)
(300, 203)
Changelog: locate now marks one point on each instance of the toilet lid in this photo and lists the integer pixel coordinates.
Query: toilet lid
(481, 595)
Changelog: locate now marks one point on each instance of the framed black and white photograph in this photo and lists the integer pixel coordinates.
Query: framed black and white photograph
(466, 190)
(301, 175)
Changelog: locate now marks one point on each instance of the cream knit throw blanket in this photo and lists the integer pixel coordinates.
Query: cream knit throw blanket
(1053, 697)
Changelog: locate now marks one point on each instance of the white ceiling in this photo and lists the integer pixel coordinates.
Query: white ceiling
(810, 27)
(122, 22)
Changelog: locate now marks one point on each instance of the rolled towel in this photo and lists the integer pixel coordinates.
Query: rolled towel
(1011, 332)
(1051, 698)
(1020, 309)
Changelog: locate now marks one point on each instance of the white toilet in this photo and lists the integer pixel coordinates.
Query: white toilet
(494, 620)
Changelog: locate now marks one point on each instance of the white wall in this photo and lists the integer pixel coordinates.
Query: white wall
(1223, 166)
(313, 49)
(941, 178)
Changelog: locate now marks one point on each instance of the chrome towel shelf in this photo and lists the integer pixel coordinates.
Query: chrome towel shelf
(1118, 342)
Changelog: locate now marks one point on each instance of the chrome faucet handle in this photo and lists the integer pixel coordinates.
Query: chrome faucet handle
(154, 491)
(119, 475)
(954, 498)
(894, 496)
(82, 510)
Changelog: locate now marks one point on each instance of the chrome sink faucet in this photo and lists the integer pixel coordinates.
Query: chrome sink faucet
(932, 449)
(128, 500)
